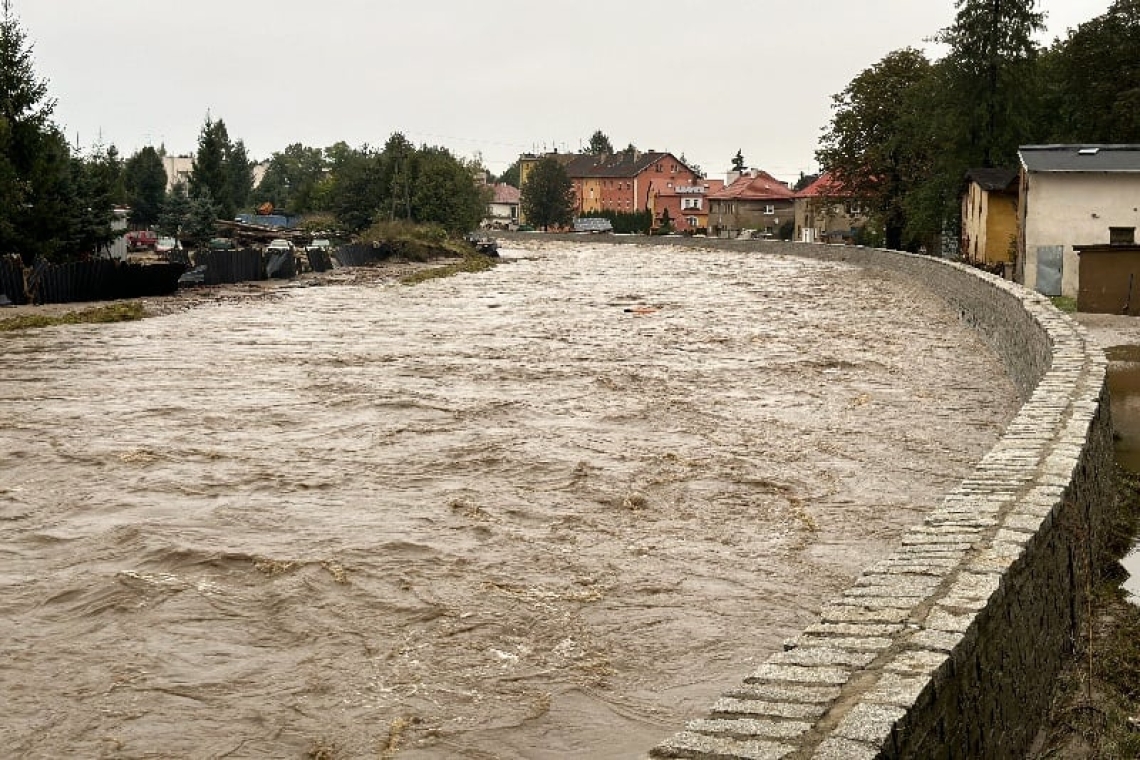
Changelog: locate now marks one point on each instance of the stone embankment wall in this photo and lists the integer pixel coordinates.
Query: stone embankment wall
(949, 648)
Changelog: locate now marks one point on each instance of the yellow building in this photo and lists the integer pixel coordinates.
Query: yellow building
(989, 218)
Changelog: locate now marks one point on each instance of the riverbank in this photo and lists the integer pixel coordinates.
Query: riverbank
(381, 273)
(1095, 711)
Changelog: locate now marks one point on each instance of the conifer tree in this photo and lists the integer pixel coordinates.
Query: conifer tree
(548, 195)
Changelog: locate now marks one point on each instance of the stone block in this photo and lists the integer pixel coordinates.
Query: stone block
(688, 744)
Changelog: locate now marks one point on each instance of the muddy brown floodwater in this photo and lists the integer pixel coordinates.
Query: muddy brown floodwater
(551, 510)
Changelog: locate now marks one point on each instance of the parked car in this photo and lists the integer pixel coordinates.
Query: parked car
(141, 240)
(279, 245)
(166, 245)
(319, 244)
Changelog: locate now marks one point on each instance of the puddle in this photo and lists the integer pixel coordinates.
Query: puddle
(1131, 565)
(1124, 387)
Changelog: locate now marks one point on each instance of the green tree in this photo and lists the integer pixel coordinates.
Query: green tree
(600, 144)
(874, 145)
(222, 170)
(511, 175)
(293, 179)
(992, 57)
(239, 175)
(201, 220)
(738, 161)
(1091, 80)
(399, 166)
(144, 178)
(357, 190)
(445, 192)
(548, 194)
(175, 213)
(29, 144)
(96, 186)
(49, 222)
(209, 177)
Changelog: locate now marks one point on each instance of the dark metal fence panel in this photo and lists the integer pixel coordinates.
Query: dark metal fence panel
(99, 280)
(12, 279)
(319, 260)
(281, 266)
(231, 266)
(356, 255)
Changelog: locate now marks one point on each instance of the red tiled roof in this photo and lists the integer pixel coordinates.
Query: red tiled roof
(505, 193)
(620, 165)
(761, 187)
(827, 186)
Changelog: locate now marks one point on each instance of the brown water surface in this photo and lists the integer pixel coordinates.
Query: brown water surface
(551, 510)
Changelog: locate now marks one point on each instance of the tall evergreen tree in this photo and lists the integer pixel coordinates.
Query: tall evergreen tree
(209, 175)
(97, 183)
(600, 144)
(987, 72)
(175, 214)
(239, 175)
(28, 145)
(144, 178)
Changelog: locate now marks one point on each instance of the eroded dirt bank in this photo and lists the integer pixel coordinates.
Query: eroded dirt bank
(546, 511)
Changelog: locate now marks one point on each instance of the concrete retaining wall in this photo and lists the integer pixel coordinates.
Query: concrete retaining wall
(950, 647)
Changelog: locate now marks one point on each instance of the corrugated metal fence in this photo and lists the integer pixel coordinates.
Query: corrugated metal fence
(12, 279)
(92, 280)
(357, 255)
(231, 266)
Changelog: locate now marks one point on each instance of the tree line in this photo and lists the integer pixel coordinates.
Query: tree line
(905, 131)
(58, 203)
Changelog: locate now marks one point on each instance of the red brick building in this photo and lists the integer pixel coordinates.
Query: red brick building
(631, 181)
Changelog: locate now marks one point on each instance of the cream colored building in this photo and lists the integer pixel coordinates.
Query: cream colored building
(178, 169)
(826, 212)
(1072, 194)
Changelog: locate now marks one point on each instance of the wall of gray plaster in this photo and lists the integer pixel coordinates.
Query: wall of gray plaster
(950, 647)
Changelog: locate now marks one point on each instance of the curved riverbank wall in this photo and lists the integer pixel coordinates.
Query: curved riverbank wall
(950, 647)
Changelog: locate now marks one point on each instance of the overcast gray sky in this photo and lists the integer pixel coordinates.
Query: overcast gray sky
(497, 77)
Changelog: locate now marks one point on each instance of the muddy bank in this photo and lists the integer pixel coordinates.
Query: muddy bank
(544, 511)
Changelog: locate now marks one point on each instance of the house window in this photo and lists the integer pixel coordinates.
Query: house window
(1122, 235)
(769, 208)
(692, 220)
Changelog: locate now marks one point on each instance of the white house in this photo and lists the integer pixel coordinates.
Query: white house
(503, 209)
(1083, 194)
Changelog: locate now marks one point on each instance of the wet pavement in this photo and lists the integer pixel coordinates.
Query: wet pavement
(551, 510)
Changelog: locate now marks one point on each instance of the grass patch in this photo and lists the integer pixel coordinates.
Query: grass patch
(119, 312)
(470, 263)
(1066, 304)
(415, 242)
